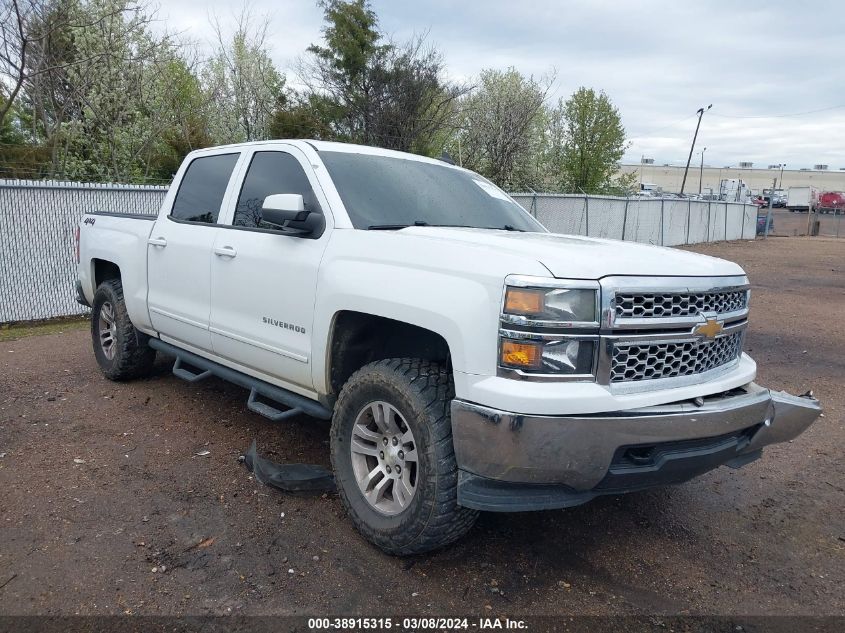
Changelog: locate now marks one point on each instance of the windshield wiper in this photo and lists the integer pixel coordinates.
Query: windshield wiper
(394, 227)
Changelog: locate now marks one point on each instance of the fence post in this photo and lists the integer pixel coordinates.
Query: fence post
(625, 218)
(689, 215)
(726, 223)
(742, 230)
(587, 212)
(662, 239)
(709, 236)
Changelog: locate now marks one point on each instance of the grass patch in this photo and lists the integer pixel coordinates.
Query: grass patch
(13, 331)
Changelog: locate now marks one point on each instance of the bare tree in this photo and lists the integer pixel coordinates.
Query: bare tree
(411, 100)
(27, 27)
(500, 124)
(242, 80)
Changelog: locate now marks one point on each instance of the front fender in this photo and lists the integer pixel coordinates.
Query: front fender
(434, 286)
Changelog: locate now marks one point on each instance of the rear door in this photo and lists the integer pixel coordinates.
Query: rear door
(180, 252)
(264, 280)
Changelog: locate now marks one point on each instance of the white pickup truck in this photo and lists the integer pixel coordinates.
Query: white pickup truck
(468, 359)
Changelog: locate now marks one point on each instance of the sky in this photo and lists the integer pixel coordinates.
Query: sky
(771, 69)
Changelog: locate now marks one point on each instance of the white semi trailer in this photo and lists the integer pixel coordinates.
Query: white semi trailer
(802, 199)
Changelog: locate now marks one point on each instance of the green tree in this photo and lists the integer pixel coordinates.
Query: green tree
(124, 91)
(19, 158)
(373, 91)
(302, 116)
(587, 141)
(186, 108)
(340, 70)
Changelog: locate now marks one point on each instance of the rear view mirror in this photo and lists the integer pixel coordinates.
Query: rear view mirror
(281, 208)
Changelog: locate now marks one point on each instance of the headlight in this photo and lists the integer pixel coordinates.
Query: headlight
(549, 328)
(569, 356)
(566, 306)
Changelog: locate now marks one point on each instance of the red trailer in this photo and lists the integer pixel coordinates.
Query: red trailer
(832, 202)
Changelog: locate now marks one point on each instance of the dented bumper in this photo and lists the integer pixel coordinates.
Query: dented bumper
(512, 462)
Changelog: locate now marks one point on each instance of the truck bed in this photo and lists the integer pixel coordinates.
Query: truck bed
(120, 238)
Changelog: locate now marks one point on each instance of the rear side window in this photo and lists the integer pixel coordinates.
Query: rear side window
(202, 188)
(270, 173)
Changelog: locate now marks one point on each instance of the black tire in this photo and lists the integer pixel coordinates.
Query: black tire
(421, 391)
(131, 356)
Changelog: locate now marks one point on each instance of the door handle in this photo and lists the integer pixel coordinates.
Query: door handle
(157, 241)
(225, 251)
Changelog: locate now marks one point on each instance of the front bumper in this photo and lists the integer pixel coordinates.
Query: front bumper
(512, 462)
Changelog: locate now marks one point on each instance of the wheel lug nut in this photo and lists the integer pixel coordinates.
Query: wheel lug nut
(395, 441)
(388, 469)
(398, 469)
(384, 441)
(381, 454)
(401, 454)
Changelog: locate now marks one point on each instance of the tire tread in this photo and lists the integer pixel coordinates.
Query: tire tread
(133, 357)
(432, 387)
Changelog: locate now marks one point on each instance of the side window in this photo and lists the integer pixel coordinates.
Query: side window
(202, 188)
(270, 173)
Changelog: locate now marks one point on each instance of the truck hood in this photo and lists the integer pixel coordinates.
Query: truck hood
(576, 257)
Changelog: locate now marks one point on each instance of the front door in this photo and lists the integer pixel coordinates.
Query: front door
(263, 279)
(180, 252)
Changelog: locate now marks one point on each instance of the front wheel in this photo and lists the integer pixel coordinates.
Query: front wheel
(121, 350)
(391, 446)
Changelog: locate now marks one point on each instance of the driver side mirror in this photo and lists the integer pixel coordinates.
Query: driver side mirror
(281, 208)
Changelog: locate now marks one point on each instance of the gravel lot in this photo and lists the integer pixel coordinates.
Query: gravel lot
(105, 508)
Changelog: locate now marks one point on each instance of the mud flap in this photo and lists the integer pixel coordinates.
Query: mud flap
(289, 477)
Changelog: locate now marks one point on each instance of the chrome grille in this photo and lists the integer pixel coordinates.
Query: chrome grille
(650, 361)
(657, 305)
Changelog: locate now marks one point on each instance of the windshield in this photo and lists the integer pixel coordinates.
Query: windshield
(388, 192)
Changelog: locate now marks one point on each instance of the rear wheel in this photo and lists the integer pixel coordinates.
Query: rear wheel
(121, 350)
(391, 445)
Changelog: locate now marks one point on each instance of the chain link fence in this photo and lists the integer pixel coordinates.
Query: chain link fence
(660, 221)
(38, 219)
(37, 257)
(786, 223)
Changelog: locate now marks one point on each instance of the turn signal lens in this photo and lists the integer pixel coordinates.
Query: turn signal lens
(527, 301)
(521, 355)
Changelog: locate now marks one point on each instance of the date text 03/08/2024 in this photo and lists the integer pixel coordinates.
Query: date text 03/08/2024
(416, 624)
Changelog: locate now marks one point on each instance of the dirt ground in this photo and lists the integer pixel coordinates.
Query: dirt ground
(106, 508)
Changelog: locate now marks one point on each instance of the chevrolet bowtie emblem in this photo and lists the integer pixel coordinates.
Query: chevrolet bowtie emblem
(709, 329)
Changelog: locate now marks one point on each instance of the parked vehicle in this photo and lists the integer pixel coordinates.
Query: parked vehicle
(779, 197)
(733, 190)
(468, 359)
(802, 199)
(832, 202)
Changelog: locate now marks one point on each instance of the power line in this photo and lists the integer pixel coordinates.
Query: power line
(777, 116)
(660, 129)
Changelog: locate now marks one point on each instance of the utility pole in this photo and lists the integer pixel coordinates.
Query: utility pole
(782, 165)
(701, 171)
(692, 147)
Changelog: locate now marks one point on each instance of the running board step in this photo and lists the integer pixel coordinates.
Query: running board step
(180, 371)
(203, 368)
(268, 410)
